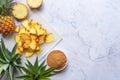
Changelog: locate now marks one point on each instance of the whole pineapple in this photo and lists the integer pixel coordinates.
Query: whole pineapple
(6, 21)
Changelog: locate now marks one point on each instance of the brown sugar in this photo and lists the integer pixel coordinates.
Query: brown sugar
(57, 59)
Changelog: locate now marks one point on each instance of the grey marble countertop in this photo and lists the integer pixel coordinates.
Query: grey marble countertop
(91, 37)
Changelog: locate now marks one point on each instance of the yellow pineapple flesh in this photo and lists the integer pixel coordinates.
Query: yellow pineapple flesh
(34, 3)
(20, 11)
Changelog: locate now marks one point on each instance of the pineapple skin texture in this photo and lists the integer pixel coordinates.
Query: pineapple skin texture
(6, 25)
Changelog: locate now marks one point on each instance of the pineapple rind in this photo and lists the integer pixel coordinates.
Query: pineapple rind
(6, 25)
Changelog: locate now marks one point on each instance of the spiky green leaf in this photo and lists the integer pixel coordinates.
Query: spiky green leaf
(30, 66)
(2, 74)
(3, 50)
(36, 65)
(8, 61)
(41, 65)
(23, 77)
(4, 67)
(10, 72)
(0, 10)
(45, 79)
(2, 61)
(25, 70)
(43, 69)
(49, 71)
(48, 75)
(36, 62)
(18, 69)
(14, 49)
(6, 6)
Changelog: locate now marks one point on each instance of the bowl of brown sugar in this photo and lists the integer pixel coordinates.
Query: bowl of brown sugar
(58, 59)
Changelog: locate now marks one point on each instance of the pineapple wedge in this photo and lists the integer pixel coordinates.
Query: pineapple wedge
(22, 30)
(20, 11)
(33, 45)
(17, 29)
(29, 54)
(19, 49)
(34, 3)
(17, 39)
(33, 30)
(41, 39)
(25, 45)
(25, 37)
(49, 38)
(40, 32)
(25, 24)
(19, 43)
(38, 50)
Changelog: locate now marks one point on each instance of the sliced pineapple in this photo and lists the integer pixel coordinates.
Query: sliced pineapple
(25, 37)
(19, 44)
(38, 50)
(31, 36)
(17, 39)
(29, 53)
(25, 23)
(19, 49)
(32, 30)
(25, 45)
(20, 11)
(33, 45)
(49, 38)
(22, 30)
(34, 3)
(17, 29)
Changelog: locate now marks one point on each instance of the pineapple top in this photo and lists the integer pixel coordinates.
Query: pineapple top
(5, 7)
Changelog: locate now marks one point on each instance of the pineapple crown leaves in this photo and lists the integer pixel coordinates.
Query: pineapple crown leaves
(6, 6)
(9, 61)
(36, 71)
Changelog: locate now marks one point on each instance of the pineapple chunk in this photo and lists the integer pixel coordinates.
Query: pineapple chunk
(22, 30)
(32, 30)
(25, 45)
(33, 22)
(25, 23)
(19, 49)
(20, 11)
(29, 54)
(25, 36)
(28, 41)
(30, 37)
(38, 50)
(41, 39)
(17, 39)
(27, 32)
(19, 43)
(40, 31)
(49, 38)
(37, 26)
(34, 3)
(33, 45)
(17, 29)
